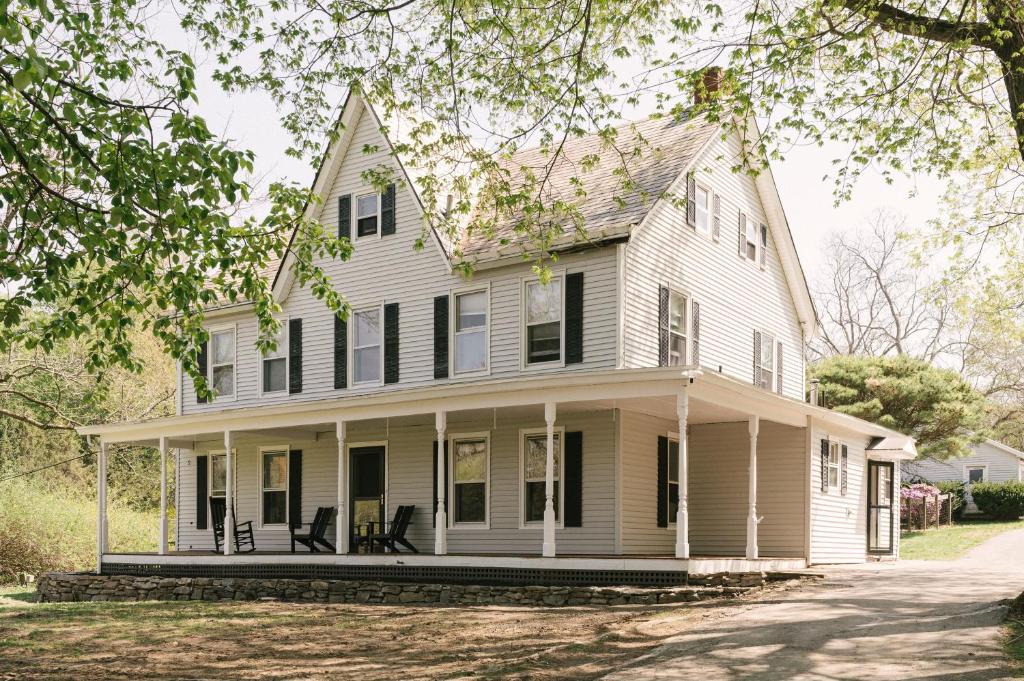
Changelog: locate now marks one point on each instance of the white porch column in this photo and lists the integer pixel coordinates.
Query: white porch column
(441, 519)
(341, 522)
(163, 496)
(548, 548)
(229, 494)
(752, 520)
(101, 505)
(683, 514)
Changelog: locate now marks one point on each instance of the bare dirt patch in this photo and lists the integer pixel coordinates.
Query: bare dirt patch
(159, 640)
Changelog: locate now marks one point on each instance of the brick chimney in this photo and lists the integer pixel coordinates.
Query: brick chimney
(708, 85)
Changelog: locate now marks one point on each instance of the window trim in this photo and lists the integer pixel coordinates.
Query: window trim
(837, 446)
(521, 475)
(967, 471)
(709, 209)
(209, 478)
(775, 342)
(452, 324)
(687, 321)
(525, 364)
(286, 333)
(275, 449)
(355, 215)
(450, 492)
(352, 346)
(672, 437)
(220, 328)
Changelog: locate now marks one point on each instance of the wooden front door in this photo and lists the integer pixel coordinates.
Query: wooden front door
(366, 489)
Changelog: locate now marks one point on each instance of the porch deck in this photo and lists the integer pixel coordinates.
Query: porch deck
(452, 568)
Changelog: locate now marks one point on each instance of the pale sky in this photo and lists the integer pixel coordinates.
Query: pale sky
(253, 121)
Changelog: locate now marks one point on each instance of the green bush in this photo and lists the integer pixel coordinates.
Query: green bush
(46, 528)
(957, 491)
(999, 500)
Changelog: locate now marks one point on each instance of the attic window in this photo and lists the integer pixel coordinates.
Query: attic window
(702, 214)
(367, 215)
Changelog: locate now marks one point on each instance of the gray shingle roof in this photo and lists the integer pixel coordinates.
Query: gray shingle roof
(652, 153)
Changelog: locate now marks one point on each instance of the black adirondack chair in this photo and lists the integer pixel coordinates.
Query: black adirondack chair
(317, 531)
(394, 533)
(244, 540)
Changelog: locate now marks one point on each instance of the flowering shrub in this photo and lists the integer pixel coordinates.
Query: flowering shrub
(999, 500)
(913, 511)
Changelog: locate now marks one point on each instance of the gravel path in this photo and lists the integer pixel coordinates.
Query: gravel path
(906, 620)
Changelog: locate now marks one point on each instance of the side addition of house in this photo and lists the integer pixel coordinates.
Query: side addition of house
(642, 412)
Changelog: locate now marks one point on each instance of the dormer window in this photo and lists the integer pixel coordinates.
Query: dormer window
(368, 215)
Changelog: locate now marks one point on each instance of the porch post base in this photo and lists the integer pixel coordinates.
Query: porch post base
(751, 538)
(440, 540)
(682, 535)
(548, 547)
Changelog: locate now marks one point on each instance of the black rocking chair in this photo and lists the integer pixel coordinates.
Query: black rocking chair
(317, 531)
(244, 541)
(394, 534)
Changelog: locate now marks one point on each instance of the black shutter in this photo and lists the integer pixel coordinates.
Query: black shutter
(778, 370)
(764, 245)
(295, 487)
(391, 343)
(842, 471)
(691, 199)
(757, 358)
(824, 466)
(202, 490)
(574, 318)
(695, 333)
(294, 356)
(662, 481)
(433, 508)
(573, 474)
(441, 337)
(716, 223)
(663, 326)
(387, 211)
(340, 353)
(203, 359)
(345, 216)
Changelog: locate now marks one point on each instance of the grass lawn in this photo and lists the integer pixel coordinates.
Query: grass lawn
(164, 640)
(950, 542)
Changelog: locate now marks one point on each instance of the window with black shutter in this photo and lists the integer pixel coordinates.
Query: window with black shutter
(345, 216)
(340, 353)
(294, 356)
(391, 359)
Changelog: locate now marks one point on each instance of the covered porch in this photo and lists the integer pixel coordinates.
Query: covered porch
(626, 471)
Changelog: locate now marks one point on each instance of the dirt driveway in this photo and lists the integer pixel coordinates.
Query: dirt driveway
(908, 620)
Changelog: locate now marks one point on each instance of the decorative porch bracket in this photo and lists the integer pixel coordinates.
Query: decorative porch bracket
(441, 524)
(548, 548)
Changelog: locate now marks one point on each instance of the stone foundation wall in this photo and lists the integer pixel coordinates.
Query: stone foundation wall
(57, 586)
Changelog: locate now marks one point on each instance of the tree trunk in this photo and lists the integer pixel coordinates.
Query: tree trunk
(1008, 16)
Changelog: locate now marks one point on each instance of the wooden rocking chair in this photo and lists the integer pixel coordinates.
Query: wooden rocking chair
(244, 540)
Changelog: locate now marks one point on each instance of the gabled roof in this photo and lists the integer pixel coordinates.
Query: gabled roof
(1006, 449)
(649, 155)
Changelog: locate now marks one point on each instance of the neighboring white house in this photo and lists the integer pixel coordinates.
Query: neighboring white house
(643, 412)
(990, 461)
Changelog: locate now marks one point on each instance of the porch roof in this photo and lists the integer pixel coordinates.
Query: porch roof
(604, 388)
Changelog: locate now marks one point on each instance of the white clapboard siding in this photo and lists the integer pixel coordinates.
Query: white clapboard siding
(736, 296)
(409, 481)
(1001, 465)
(390, 270)
(719, 456)
(839, 522)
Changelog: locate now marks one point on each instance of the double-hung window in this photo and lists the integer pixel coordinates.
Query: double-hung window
(535, 452)
(544, 321)
(368, 215)
(274, 364)
(222, 364)
(834, 463)
(274, 482)
(752, 237)
(218, 475)
(975, 474)
(677, 305)
(673, 480)
(470, 332)
(767, 361)
(702, 215)
(469, 480)
(366, 347)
